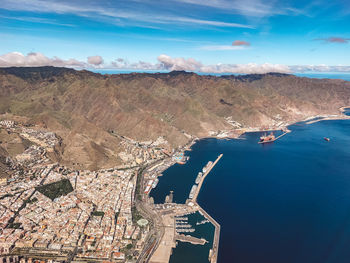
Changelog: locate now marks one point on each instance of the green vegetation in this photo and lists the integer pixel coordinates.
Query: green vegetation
(116, 217)
(56, 189)
(138, 189)
(135, 215)
(32, 200)
(6, 195)
(129, 246)
(97, 213)
(14, 225)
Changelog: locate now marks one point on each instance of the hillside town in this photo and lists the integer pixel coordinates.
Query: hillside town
(53, 213)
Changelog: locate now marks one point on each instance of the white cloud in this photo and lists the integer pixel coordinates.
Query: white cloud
(169, 63)
(319, 68)
(121, 63)
(108, 14)
(95, 60)
(249, 8)
(165, 63)
(16, 59)
(250, 68)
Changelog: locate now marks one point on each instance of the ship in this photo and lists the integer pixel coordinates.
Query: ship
(199, 176)
(155, 183)
(267, 138)
(326, 139)
(193, 190)
(206, 168)
(202, 222)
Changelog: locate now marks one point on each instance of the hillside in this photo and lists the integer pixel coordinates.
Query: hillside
(83, 107)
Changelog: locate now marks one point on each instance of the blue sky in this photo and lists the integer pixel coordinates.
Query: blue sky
(243, 36)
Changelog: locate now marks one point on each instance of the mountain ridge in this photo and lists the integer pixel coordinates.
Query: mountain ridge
(83, 106)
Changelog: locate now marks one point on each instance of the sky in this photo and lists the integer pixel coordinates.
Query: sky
(209, 36)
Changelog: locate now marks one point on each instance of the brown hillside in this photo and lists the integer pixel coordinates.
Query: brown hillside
(82, 106)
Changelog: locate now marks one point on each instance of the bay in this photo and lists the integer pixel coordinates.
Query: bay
(284, 202)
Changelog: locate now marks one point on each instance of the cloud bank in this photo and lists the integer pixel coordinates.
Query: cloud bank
(164, 63)
(36, 59)
(95, 60)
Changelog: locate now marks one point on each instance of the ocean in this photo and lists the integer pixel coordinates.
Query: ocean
(284, 202)
(287, 202)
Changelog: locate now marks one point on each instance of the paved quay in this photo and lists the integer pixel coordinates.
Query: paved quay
(169, 211)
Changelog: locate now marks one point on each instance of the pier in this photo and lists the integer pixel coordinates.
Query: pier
(213, 257)
(191, 239)
(174, 220)
(276, 138)
(194, 199)
(214, 252)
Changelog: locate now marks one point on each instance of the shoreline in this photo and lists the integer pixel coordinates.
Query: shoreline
(307, 120)
(239, 133)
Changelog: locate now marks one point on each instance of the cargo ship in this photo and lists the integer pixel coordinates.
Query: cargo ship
(193, 191)
(199, 176)
(267, 138)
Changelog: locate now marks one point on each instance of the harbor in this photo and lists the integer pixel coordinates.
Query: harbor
(206, 170)
(271, 137)
(175, 220)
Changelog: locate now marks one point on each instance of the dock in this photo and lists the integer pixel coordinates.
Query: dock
(194, 199)
(191, 239)
(288, 131)
(215, 250)
(174, 220)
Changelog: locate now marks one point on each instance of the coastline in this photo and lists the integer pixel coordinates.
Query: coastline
(307, 120)
(239, 133)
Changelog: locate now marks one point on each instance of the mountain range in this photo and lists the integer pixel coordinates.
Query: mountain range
(87, 110)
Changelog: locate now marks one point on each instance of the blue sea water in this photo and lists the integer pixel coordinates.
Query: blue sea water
(284, 202)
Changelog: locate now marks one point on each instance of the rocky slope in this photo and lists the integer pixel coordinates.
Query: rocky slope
(83, 107)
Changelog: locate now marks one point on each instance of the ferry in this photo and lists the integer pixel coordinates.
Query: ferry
(199, 176)
(147, 189)
(193, 190)
(155, 183)
(205, 168)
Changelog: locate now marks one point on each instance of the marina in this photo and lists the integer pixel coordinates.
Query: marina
(179, 215)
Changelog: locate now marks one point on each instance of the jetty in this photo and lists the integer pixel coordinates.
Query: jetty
(213, 257)
(276, 138)
(191, 239)
(214, 251)
(194, 199)
(174, 222)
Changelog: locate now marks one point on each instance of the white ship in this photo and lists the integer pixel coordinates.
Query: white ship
(199, 176)
(155, 183)
(193, 190)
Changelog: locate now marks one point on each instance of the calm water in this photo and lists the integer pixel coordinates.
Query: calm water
(284, 202)
(201, 253)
